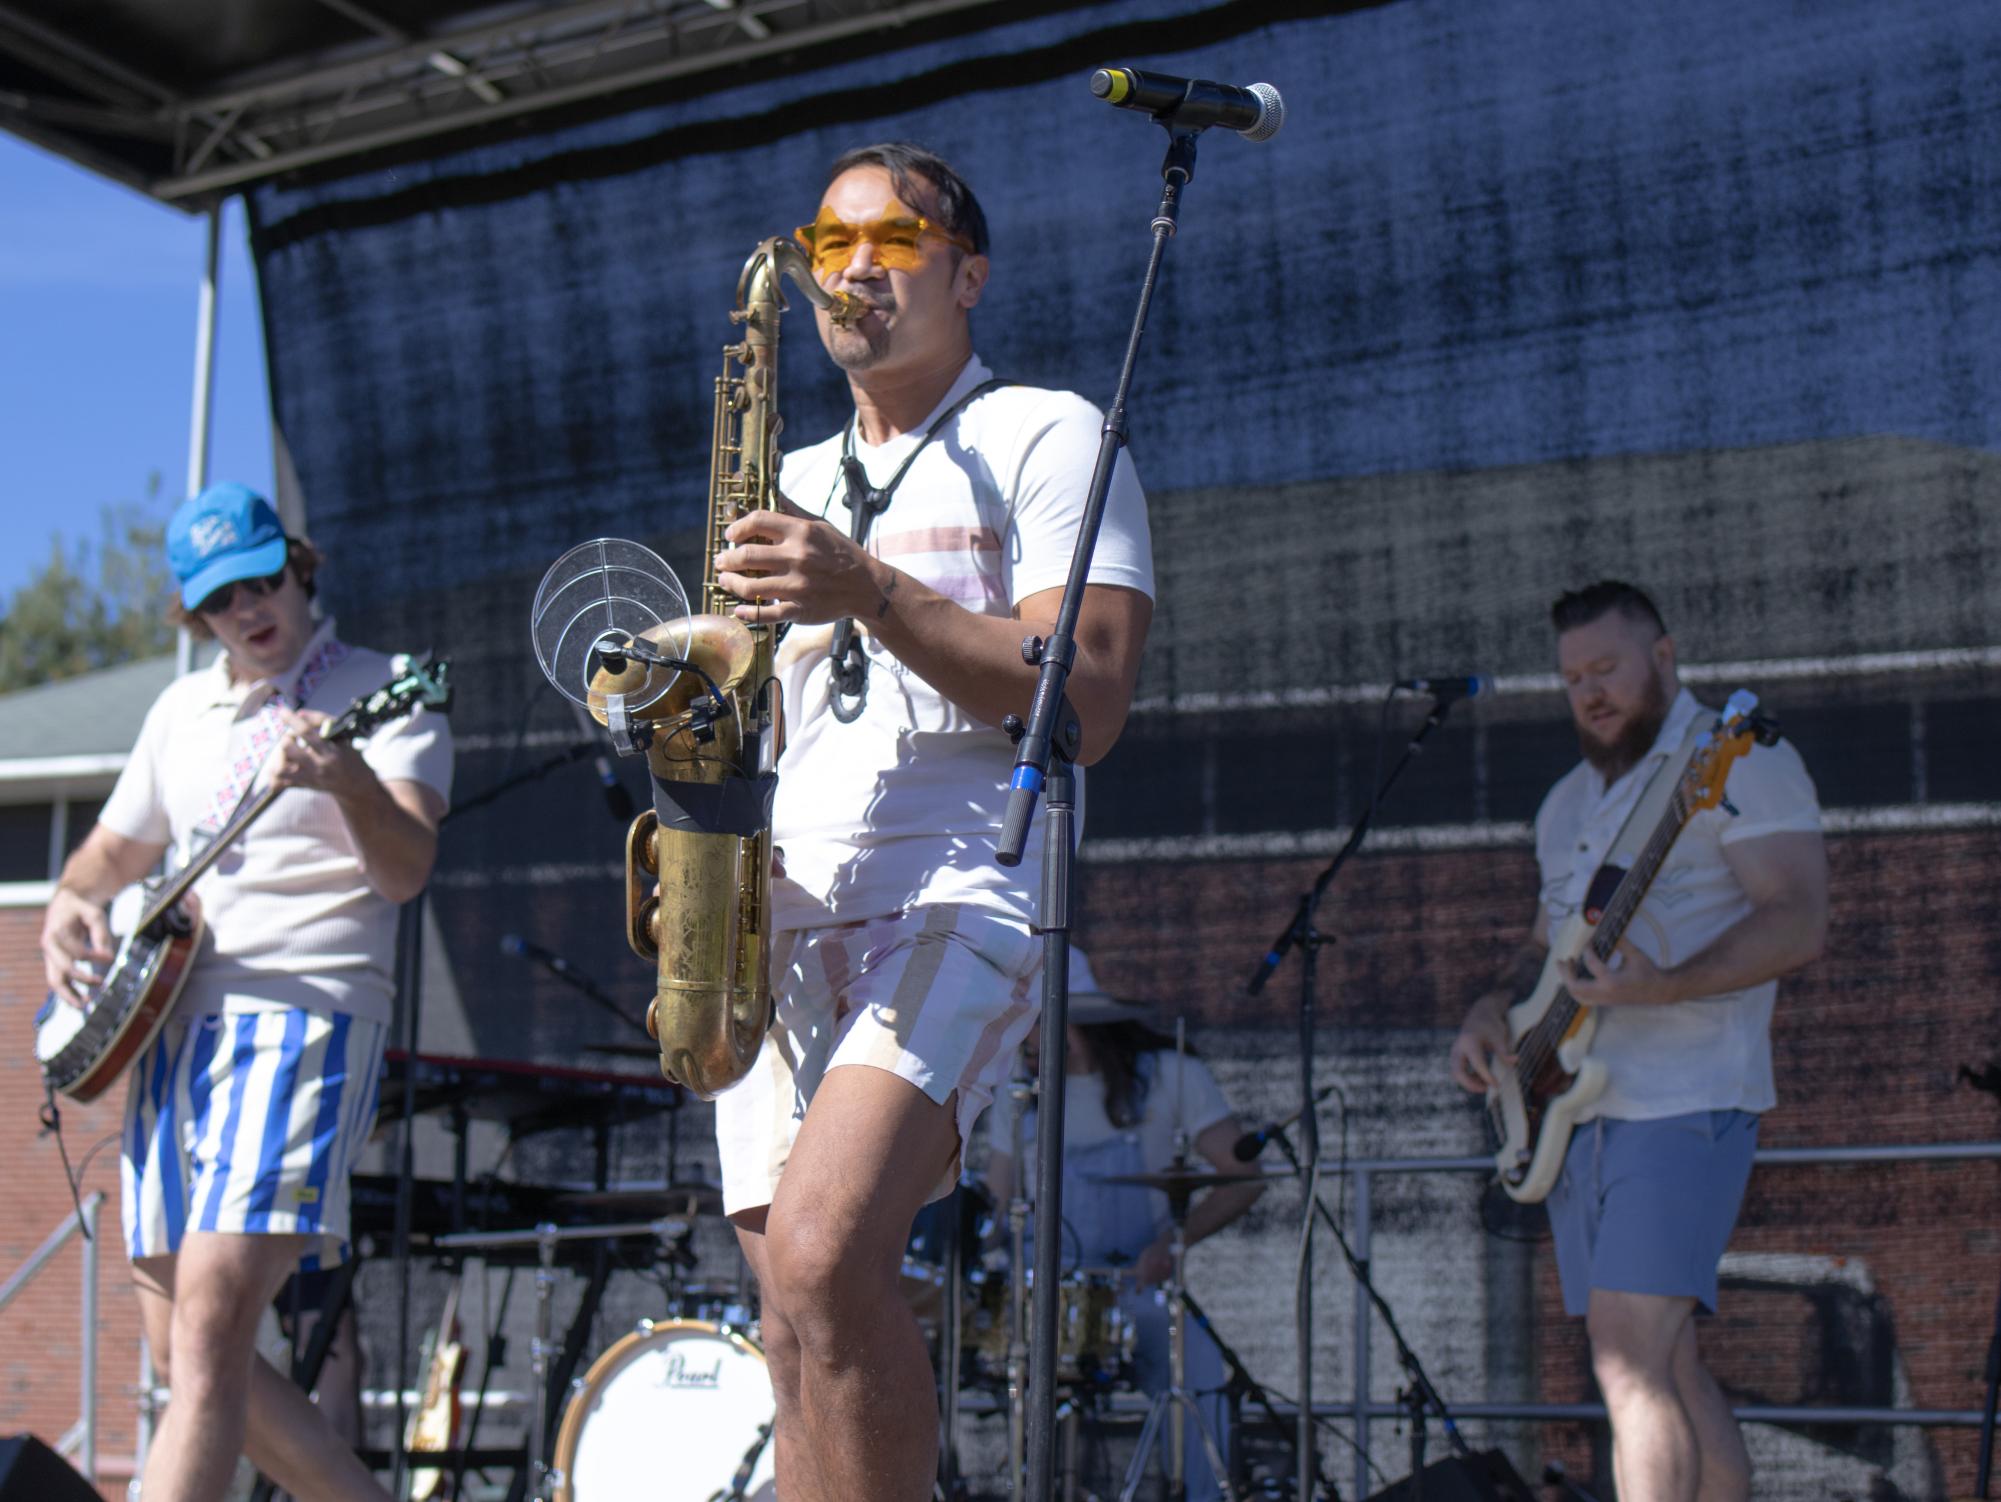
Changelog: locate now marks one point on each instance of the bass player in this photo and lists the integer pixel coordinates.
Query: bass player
(245, 1116)
(1654, 1177)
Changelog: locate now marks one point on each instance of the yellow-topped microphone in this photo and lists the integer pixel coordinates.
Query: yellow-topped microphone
(1255, 113)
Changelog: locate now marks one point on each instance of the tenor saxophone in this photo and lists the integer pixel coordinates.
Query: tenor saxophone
(698, 863)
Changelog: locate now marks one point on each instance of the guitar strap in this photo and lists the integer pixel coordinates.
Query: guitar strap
(251, 740)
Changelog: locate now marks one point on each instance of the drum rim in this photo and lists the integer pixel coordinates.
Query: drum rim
(614, 1358)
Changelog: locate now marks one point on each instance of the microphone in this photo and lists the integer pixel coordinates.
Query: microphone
(1252, 1143)
(523, 949)
(616, 798)
(1255, 113)
(1449, 690)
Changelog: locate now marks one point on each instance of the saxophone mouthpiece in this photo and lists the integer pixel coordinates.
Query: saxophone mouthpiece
(847, 310)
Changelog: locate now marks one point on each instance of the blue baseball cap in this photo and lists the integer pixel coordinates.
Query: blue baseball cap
(228, 532)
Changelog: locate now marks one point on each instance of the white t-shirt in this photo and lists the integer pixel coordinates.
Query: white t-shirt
(292, 920)
(903, 806)
(1706, 1055)
(1176, 1080)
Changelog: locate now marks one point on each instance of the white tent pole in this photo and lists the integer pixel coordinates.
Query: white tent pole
(199, 422)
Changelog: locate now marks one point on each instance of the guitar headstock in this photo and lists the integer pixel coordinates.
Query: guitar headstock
(1737, 729)
(416, 685)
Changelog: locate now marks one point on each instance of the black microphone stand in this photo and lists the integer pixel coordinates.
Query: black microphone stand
(1046, 747)
(1419, 1395)
(1301, 933)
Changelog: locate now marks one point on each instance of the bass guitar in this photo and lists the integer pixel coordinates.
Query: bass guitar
(1537, 1102)
(83, 1049)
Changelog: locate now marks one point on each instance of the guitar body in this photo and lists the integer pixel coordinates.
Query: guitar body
(436, 1421)
(83, 1052)
(1533, 1119)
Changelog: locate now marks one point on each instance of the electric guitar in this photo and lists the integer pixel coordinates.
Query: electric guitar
(1537, 1101)
(82, 1050)
(434, 1422)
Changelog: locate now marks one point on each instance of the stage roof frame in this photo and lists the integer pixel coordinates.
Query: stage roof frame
(190, 101)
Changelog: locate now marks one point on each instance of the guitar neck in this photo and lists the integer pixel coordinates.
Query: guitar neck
(183, 880)
(1611, 926)
(1633, 886)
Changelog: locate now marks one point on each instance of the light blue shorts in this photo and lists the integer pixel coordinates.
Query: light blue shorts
(249, 1123)
(1648, 1206)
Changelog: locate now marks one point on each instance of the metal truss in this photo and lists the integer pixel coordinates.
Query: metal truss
(392, 85)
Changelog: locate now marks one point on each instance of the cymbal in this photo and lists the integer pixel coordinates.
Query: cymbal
(646, 1204)
(1188, 1180)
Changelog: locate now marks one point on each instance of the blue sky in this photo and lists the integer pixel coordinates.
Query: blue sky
(98, 295)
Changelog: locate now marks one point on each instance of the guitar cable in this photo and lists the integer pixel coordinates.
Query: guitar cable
(50, 1115)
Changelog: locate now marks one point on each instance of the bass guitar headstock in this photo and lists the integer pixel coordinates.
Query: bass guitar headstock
(425, 685)
(1737, 729)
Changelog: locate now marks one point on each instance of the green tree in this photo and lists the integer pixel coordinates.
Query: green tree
(93, 604)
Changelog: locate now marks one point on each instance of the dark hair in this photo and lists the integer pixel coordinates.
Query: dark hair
(1116, 1048)
(1580, 607)
(301, 557)
(956, 207)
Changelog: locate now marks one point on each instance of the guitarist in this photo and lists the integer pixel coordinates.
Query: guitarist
(244, 1118)
(1651, 1187)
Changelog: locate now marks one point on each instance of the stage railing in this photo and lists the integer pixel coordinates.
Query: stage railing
(1360, 1410)
(81, 1440)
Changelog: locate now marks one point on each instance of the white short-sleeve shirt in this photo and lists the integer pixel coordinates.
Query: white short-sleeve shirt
(292, 919)
(1710, 1054)
(903, 806)
(1178, 1083)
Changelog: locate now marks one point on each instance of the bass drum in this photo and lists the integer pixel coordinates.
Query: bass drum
(668, 1413)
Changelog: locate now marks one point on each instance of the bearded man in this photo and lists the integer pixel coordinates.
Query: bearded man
(1655, 1173)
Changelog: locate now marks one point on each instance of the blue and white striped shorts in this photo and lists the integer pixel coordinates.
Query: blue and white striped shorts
(249, 1123)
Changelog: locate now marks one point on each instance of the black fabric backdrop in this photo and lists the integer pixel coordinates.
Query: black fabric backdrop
(1525, 292)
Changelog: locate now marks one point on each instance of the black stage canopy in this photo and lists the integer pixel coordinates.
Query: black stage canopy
(191, 100)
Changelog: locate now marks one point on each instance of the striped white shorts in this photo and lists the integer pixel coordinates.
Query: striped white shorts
(249, 1123)
(939, 996)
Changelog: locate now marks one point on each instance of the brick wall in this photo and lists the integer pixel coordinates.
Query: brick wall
(40, 1335)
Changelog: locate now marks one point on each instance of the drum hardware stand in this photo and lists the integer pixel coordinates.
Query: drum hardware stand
(1174, 1401)
(1301, 933)
(734, 1492)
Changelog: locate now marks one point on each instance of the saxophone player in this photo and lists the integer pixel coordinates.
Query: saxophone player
(903, 962)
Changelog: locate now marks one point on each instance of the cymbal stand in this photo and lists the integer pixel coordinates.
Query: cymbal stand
(1175, 1402)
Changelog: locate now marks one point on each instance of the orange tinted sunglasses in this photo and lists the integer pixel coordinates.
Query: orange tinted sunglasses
(897, 239)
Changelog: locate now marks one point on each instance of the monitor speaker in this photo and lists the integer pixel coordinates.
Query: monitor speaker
(31, 1472)
(1483, 1476)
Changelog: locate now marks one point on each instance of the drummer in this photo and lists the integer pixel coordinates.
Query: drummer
(1126, 1085)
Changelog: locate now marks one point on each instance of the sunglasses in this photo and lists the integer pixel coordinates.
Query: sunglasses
(219, 600)
(897, 239)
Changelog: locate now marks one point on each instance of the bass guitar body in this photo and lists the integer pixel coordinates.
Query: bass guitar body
(1534, 1114)
(82, 1051)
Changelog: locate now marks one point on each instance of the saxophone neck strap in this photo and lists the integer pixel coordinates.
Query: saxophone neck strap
(865, 503)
